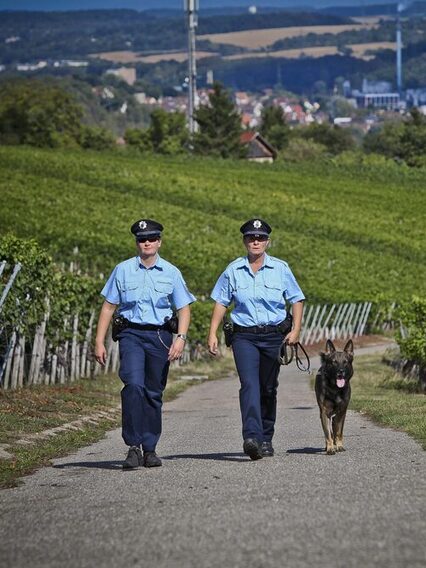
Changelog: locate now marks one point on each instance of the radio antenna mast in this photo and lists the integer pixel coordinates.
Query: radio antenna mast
(191, 7)
(399, 49)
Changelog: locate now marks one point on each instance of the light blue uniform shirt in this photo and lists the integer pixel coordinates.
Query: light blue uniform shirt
(147, 295)
(259, 299)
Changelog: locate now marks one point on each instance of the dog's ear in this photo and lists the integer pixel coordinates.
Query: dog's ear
(349, 347)
(329, 347)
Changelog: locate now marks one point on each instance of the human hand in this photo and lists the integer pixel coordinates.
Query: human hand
(101, 354)
(176, 349)
(292, 337)
(212, 345)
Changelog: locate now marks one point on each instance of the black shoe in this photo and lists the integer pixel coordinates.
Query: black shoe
(253, 449)
(134, 458)
(267, 449)
(150, 459)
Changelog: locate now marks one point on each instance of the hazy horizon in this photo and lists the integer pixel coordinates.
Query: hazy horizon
(66, 5)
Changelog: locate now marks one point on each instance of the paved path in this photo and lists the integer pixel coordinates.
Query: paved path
(209, 506)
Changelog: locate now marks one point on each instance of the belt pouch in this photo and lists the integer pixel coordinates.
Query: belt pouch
(228, 331)
(118, 324)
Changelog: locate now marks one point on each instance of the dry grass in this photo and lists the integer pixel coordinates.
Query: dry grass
(255, 39)
(373, 20)
(358, 50)
(134, 57)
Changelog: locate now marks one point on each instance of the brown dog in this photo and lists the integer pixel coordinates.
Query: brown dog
(334, 392)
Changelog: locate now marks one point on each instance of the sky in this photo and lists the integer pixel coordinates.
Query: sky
(171, 4)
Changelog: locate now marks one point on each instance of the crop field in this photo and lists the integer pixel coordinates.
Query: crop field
(349, 232)
(135, 57)
(373, 20)
(256, 39)
(359, 50)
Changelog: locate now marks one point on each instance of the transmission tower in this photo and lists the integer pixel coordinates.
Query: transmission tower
(191, 8)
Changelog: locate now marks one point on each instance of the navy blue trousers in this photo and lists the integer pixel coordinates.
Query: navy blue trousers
(256, 359)
(143, 369)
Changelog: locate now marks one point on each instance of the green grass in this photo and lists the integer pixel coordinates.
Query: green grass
(349, 233)
(27, 411)
(388, 398)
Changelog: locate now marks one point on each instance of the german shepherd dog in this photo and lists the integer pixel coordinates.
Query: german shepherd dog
(334, 392)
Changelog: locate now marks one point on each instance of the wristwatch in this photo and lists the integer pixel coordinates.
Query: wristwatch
(182, 336)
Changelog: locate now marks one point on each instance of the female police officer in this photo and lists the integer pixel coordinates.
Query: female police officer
(259, 286)
(145, 288)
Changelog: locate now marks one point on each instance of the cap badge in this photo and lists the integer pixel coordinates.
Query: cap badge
(257, 224)
(142, 224)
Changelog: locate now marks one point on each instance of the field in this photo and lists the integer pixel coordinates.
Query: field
(257, 39)
(134, 57)
(359, 50)
(349, 232)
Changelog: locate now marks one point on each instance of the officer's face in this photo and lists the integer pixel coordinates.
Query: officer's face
(148, 246)
(256, 244)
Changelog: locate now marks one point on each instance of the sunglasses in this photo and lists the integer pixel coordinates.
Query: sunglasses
(149, 239)
(253, 238)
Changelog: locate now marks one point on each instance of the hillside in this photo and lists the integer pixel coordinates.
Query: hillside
(348, 233)
(244, 51)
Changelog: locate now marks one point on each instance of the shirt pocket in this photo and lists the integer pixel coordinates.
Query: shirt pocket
(241, 292)
(130, 292)
(163, 289)
(274, 291)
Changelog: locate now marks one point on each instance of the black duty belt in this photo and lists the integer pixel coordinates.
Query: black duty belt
(144, 326)
(258, 329)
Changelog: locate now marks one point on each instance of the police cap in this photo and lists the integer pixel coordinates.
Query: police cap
(255, 227)
(146, 228)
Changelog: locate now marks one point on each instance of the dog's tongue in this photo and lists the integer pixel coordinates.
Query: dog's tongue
(340, 383)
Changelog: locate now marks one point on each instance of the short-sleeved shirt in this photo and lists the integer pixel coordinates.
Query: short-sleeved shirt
(147, 295)
(259, 298)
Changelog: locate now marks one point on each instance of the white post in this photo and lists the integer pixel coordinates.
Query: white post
(74, 347)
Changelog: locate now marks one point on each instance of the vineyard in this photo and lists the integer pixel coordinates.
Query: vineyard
(351, 233)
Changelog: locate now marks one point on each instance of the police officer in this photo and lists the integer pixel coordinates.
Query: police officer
(145, 288)
(258, 285)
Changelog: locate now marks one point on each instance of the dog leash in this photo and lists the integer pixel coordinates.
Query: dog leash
(289, 352)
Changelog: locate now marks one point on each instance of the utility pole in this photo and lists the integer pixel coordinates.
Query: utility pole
(191, 7)
(399, 50)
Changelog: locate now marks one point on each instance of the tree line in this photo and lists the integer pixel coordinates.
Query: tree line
(53, 35)
(44, 115)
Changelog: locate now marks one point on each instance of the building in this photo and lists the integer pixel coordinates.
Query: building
(375, 94)
(388, 101)
(259, 150)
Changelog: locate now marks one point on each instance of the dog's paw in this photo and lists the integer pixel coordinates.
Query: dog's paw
(340, 449)
(330, 450)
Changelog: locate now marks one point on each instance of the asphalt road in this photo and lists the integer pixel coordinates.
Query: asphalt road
(210, 506)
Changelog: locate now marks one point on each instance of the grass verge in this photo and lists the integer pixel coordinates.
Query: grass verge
(24, 413)
(388, 398)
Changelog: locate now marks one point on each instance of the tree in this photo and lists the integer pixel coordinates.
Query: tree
(96, 138)
(38, 114)
(274, 127)
(219, 126)
(139, 139)
(334, 138)
(404, 140)
(168, 132)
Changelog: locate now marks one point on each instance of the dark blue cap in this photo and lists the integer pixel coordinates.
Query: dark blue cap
(255, 227)
(146, 228)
